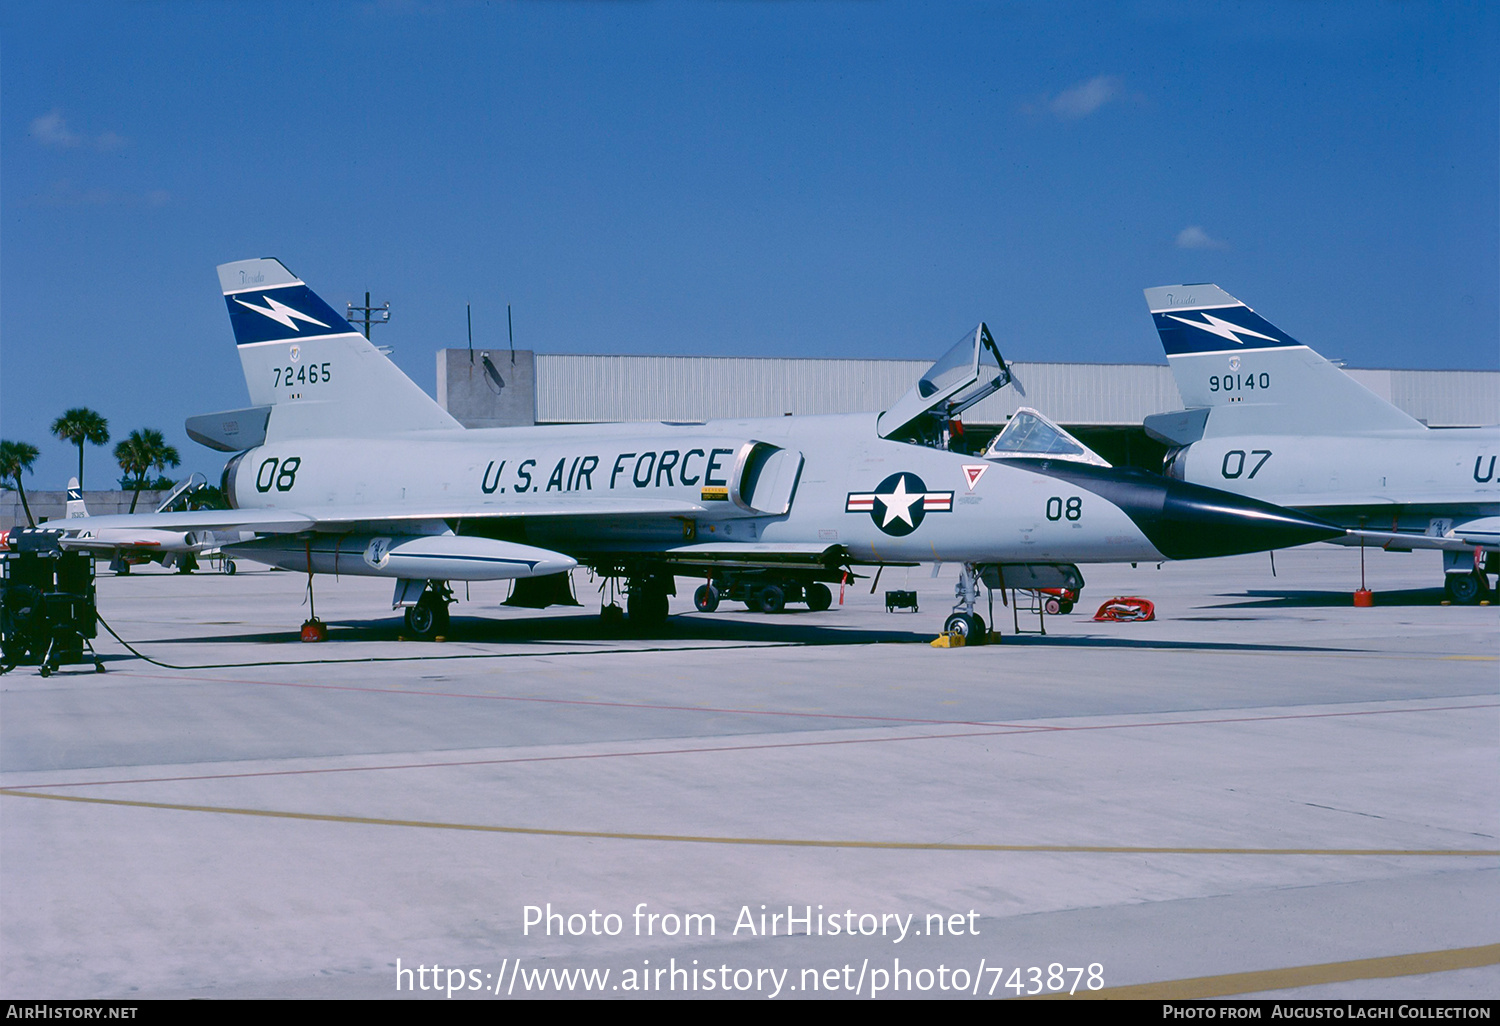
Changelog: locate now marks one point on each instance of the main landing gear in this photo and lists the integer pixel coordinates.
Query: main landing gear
(646, 603)
(428, 619)
(1466, 589)
(1466, 576)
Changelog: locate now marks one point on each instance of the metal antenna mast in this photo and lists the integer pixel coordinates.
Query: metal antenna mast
(366, 315)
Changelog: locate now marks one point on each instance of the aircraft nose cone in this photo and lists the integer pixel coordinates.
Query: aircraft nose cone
(1188, 521)
(1197, 522)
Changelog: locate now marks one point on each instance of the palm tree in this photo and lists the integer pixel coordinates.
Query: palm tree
(80, 425)
(14, 458)
(143, 450)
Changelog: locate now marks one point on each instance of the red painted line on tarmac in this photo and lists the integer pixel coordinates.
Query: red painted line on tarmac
(1284, 716)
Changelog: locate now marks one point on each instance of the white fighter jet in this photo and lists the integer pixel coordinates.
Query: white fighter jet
(135, 544)
(1267, 417)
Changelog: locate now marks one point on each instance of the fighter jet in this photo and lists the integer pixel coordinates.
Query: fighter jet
(343, 465)
(128, 546)
(1268, 417)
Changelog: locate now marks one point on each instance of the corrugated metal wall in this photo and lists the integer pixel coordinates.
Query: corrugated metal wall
(588, 389)
(1448, 398)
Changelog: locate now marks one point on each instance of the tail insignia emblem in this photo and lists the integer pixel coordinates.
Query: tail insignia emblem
(1217, 326)
(281, 313)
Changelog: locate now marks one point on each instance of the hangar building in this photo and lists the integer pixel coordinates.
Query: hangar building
(1102, 404)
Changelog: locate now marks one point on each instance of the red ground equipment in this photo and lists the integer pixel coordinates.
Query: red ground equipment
(1126, 607)
(1057, 600)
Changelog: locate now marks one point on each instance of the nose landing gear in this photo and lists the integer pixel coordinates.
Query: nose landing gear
(963, 621)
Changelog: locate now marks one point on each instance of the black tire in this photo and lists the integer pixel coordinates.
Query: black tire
(977, 635)
(970, 628)
(1067, 607)
(706, 598)
(772, 599)
(229, 567)
(1466, 589)
(421, 621)
(612, 615)
(819, 597)
(428, 619)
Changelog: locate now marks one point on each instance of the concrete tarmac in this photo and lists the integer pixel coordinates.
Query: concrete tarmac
(1265, 791)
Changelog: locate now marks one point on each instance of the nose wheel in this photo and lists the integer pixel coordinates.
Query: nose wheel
(963, 621)
(968, 626)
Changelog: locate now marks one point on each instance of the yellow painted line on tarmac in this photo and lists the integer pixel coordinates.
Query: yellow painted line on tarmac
(1473, 658)
(1297, 976)
(766, 841)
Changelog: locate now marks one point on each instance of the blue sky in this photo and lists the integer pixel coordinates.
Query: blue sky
(774, 179)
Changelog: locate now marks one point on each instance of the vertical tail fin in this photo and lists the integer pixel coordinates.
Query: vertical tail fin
(321, 378)
(1227, 357)
(76, 507)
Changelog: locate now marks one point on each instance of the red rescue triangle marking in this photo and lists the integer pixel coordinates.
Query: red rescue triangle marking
(973, 472)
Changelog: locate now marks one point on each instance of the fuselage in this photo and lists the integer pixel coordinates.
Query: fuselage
(805, 482)
(1396, 480)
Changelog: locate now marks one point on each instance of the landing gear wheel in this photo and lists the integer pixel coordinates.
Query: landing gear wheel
(229, 567)
(706, 598)
(612, 615)
(419, 620)
(1067, 607)
(1466, 589)
(819, 597)
(772, 599)
(428, 618)
(970, 627)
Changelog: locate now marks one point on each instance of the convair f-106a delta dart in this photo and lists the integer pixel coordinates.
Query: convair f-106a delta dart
(1268, 417)
(344, 466)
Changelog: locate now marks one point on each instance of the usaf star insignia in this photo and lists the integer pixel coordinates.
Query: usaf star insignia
(899, 503)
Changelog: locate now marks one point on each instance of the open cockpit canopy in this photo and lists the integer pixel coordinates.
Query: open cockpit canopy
(967, 373)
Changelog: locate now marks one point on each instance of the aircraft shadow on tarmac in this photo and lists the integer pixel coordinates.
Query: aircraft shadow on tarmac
(538, 634)
(589, 628)
(1328, 599)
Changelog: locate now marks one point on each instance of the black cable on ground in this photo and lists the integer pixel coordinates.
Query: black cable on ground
(413, 658)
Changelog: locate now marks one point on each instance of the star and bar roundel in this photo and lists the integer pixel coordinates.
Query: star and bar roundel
(898, 504)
